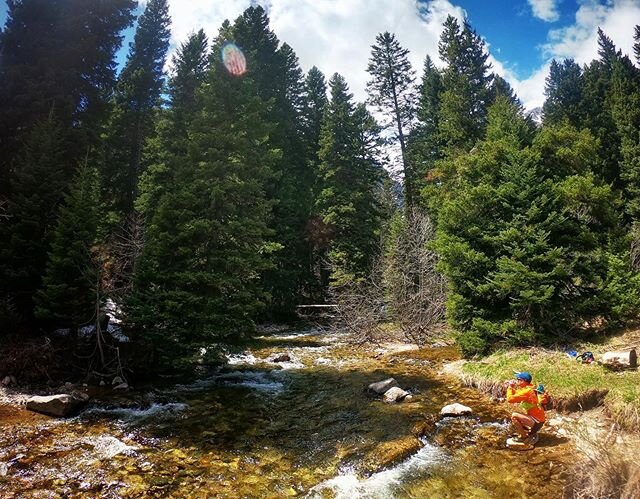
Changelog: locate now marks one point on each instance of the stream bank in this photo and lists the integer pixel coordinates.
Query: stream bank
(301, 427)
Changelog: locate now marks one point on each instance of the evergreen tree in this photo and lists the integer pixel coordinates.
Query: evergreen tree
(596, 100)
(57, 60)
(279, 80)
(425, 147)
(198, 280)
(350, 177)
(136, 100)
(38, 187)
(521, 241)
(391, 91)
(563, 89)
(70, 286)
(465, 96)
(624, 100)
(636, 46)
(171, 139)
(315, 103)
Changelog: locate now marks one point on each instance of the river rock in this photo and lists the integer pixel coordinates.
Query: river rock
(395, 394)
(382, 386)
(283, 357)
(4, 469)
(117, 381)
(59, 406)
(6, 381)
(121, 386)
(455, 410)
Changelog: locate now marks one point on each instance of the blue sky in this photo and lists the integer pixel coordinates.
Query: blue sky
(335, 35)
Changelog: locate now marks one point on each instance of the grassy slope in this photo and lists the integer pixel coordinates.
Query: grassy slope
(571, 383)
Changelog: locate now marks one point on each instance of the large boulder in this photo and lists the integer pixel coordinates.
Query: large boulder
(455, 410)
(395, 394)
(60, 406)
(382, 386)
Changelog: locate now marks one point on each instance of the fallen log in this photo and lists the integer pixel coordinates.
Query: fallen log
(620, 360)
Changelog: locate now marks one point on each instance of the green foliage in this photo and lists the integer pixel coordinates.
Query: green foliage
(57, 62)
(38, 185)
(279, 81)
(198, 280)
(351, 175)
(465, 97)
(521, 236)
(622, 290)
(68, 296)
(135, 103)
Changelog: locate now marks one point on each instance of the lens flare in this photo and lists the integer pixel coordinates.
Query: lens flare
(233, 59)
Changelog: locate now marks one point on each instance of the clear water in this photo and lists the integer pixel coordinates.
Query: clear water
(304, 428)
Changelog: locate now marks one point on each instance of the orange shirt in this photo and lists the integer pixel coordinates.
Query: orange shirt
(528, 398)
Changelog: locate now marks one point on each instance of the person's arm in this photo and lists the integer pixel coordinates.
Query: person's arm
(514, 396)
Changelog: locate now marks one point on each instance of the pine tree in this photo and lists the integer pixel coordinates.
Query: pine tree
(315, 103)
(171, 138)
(521, 240)
(279, 80)
(391, 91)
(57, 60)
(636, 45)
(37, 187)
(198, 281)
(136, 100)
(350, 176)
(563, 89)
(465, 96)
(70, 284)
(425, 147)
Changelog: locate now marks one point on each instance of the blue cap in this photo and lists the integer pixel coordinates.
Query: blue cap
(524, 375)
(540, 388)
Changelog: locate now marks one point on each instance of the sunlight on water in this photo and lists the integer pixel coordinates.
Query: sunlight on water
(233, 59)
(384, 484)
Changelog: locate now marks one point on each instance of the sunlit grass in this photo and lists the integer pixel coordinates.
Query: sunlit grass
(564, 378)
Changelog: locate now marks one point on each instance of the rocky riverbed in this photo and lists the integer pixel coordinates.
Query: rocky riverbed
(290, 416)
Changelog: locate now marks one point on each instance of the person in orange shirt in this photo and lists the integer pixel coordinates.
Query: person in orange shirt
(530, 418)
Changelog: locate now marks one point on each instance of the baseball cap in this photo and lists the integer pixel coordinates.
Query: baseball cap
(523, 375)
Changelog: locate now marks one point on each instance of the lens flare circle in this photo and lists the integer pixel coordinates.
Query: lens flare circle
(233, 59)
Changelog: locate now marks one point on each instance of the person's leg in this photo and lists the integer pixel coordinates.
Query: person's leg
(522, 424)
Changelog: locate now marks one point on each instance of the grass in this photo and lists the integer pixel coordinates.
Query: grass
(573, 385)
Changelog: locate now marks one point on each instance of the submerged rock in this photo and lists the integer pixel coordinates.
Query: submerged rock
(395, 394)
(283, 357)
(455, 410)
(382, 386)
(60, 406)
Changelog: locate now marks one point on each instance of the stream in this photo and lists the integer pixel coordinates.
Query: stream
(304, 427)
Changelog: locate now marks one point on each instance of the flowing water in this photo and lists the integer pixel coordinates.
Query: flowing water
(305, 427)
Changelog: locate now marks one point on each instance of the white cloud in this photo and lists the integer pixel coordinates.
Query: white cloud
(547, 10)
(579, 41)
(334, 35)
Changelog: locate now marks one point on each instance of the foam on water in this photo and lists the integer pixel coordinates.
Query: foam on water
(384, 484)
(106, 447)
(257, 380)
(245, 358)
(137, 414)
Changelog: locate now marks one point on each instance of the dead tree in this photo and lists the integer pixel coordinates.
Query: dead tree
(416, 290)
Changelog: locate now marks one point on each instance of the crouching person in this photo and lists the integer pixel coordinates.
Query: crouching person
(530, 417)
